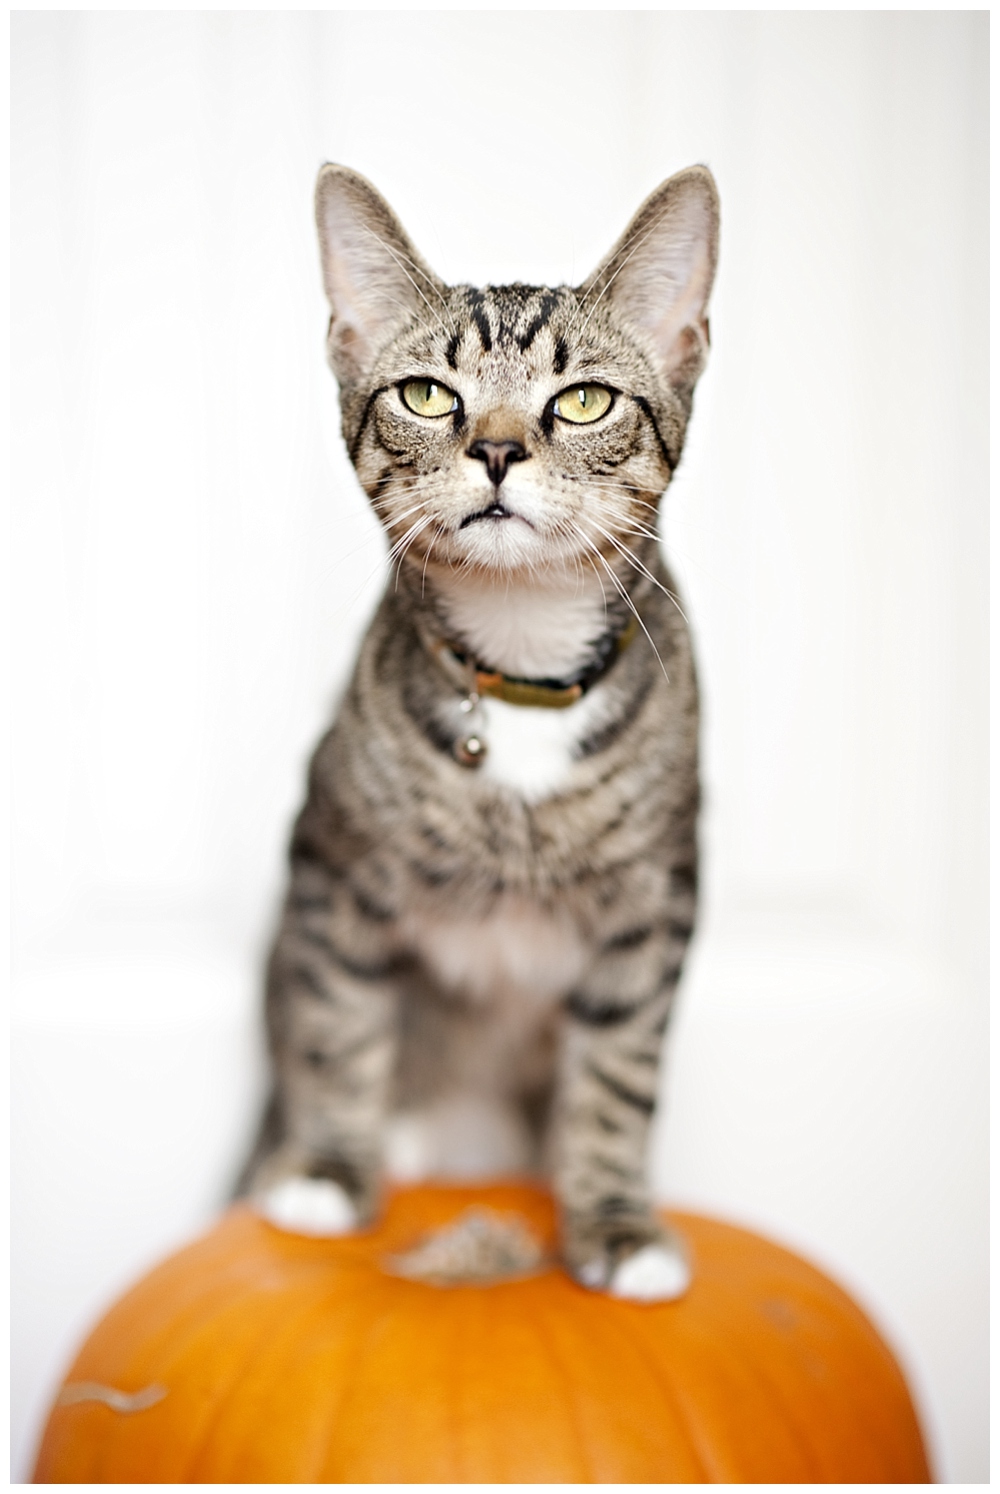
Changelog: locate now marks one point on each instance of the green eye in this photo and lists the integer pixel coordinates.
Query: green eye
(586, 403)
(424, 397)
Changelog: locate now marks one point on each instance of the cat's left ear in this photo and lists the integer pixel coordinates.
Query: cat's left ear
(659, 275)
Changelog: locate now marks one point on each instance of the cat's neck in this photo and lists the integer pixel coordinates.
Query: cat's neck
(542, 628)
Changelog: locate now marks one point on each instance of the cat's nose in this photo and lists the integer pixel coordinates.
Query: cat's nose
(498, 456)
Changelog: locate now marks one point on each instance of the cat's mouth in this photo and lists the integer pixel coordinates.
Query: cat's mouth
(495, 511)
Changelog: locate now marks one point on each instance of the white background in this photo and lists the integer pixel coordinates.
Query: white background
(194, 565)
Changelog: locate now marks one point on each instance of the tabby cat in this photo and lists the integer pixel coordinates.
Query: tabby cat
(493, 877)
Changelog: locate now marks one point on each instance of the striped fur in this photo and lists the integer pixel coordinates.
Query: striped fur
(474, 967)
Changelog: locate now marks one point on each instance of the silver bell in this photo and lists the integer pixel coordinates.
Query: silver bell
(470, 751)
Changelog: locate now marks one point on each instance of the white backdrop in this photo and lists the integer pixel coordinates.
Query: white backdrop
(194, 565)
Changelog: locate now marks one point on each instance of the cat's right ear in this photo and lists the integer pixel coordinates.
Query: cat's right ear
(374, 279)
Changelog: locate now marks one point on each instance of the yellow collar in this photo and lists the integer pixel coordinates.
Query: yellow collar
(554, 695)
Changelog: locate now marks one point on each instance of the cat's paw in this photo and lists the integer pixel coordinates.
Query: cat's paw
(307, 1206)
(656, 1273)
(639, 1262)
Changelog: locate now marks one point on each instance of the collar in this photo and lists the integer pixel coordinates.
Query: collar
(474, 678)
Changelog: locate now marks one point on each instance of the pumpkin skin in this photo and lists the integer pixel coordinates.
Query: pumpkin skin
(290, 1360)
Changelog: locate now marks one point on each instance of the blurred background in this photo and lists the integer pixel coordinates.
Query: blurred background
(194, 566)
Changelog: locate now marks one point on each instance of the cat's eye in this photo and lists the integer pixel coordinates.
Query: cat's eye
(425, 397)
(583, 404)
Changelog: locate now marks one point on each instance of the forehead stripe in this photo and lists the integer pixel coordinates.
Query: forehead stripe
(476, 299)
(485, 335)
(549, 302)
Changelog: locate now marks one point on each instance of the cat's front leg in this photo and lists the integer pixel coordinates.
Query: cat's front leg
(612, 1036)
(332, 1004)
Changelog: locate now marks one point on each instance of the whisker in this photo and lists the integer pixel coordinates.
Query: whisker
(423, 573)
(396, 550)
(417, 529)
(633, 560)
(410, 535)
(360, 588)
(565, 529)
(335, 562)
(626, 598)
(561, 529)
(398, 518)
(640, 532)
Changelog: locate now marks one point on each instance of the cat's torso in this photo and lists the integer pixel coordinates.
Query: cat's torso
(499, 891)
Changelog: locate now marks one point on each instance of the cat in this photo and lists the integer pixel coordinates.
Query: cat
(493, 879)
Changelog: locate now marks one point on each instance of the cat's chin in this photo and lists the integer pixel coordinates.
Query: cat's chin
(513, 553)
(501, 546)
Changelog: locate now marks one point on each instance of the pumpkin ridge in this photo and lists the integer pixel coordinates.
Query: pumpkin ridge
(364, 1327)
(470, 1321)
(225, 1398)
(329, 1336)
(395, 1302)
(721, 1308)
(398, 1293)
(546, 1338)
(721, 1342)
(823, 1296)
(818, 1294)
(810, 1473)
(710, 1472)
(597, 1338)
(790, 1408)
(717, 1467)
(628, 1323)
(827, 1296)
(453, 1416)
(150, 1355)
(460, 1422)
(295, 1330)
(517, 1376)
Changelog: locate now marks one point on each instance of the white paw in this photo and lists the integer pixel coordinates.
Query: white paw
(656, 1273)
(308, 1206)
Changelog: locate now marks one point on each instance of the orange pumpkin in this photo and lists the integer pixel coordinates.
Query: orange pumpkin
(258, 1357)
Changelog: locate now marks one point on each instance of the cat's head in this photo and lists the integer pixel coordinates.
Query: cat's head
(516, 429)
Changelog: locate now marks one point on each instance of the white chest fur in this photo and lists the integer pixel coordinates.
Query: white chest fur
(518, 951)
(532, 749)
(513, 966)
(530, 632)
